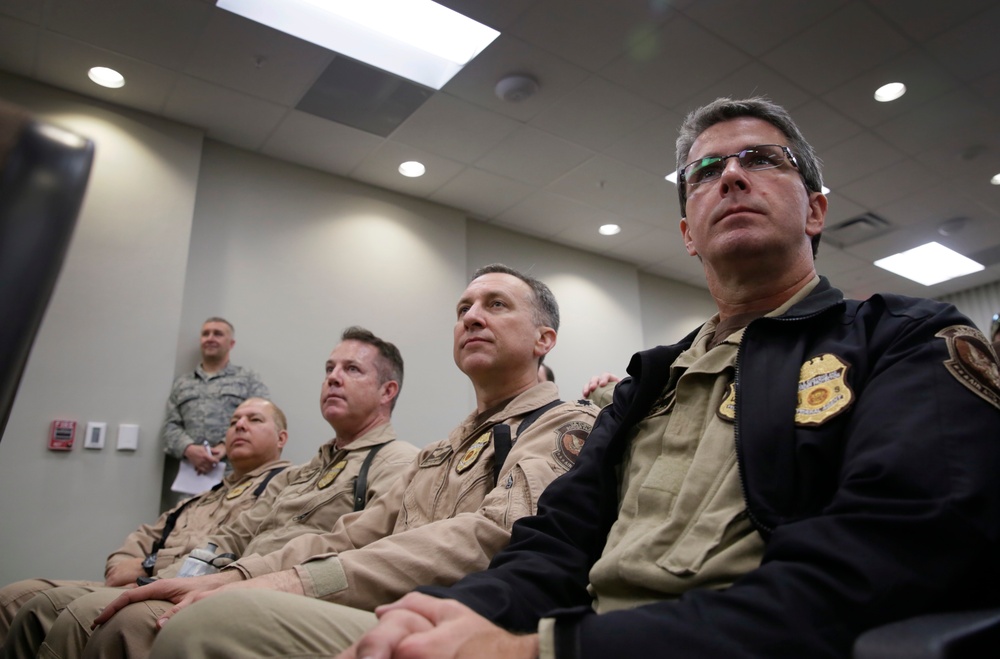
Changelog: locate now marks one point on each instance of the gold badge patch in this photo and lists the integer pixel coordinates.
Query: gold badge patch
(569, 441)
(331, 475)
(727, 410)
(823, 390)
(238, 490)
(473, 453)
(973, 362)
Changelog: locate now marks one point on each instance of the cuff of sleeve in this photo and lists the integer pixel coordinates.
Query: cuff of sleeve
(250, 566)
(547, 638)
(602, 396)
(322, 578)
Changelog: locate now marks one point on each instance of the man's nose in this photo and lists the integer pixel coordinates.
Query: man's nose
(733, 175)
(473, 315)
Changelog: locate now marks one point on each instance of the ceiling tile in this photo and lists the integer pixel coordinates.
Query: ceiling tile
(249, 57)
(953, 123)
(970, 49)
(664, 74)
(857, 157)
(596, 114)
(588, 32)
(454, 129)
(25, 10)
(497, 15)
(509, 55)
(381, 168)
(533, 156)
(838, 48)
(893, 182)
(754, 79)
(18, 45)
(64, 62)
(618, 188)
(482, 194)
(823, 126)
(751, 24)
(226, 115)
(323, 145)
(654, 245)
(923, 20)
(545, 214)
(650, 147)
(162, 32)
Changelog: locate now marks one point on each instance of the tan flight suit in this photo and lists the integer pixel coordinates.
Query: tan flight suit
(203, 515)
(444, 519)
(302, 499)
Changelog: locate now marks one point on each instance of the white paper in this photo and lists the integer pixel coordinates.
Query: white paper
(189, 481)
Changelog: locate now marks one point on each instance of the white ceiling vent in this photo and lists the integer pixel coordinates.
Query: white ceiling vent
(856, 230)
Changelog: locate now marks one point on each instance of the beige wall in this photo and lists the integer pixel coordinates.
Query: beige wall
(291, 256)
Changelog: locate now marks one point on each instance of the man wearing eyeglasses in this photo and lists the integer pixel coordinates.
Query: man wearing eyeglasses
(797, 470)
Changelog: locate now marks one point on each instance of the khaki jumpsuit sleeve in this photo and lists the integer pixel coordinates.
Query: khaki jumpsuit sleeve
(139, 543)
(443, 551)
(356, 529)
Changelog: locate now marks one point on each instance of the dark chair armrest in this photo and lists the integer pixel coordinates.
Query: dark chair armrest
(937, 636)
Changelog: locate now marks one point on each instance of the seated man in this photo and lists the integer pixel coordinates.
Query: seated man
(362, 382)
(796, 471)
(448, 514)
(257, 432)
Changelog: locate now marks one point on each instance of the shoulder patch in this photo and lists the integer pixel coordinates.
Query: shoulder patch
(472, 454)
(570, 438)
(973, 362)
(823, 390)
(331, 475)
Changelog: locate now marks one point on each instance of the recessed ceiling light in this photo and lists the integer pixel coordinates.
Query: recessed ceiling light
(995, 180)
(106, 77)
(890, 92)
(419, 40)
(929, 264)
(412, 168)
(609, 229)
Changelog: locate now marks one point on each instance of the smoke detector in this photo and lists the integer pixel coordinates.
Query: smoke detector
(516, 88)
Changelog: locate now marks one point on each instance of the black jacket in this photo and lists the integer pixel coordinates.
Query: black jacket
(889, 509)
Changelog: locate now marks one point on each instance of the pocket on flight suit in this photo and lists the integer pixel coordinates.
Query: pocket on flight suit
(523, 484)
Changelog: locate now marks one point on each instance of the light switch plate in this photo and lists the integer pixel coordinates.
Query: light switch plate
(128, 437)
(96, 432)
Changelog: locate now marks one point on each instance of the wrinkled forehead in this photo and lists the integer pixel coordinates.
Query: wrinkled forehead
(352, 350)
(496, 282)
(734, 135)
(254, 406)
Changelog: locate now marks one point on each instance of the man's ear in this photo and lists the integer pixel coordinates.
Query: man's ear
(816, 219)
(686, 235)
(282, 439)
(545, 341)
(389, 391)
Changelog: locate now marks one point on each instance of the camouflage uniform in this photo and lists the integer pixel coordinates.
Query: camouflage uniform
(200, 405)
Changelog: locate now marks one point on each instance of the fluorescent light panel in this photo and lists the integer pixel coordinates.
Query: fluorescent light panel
(416, 39)
(929, 264)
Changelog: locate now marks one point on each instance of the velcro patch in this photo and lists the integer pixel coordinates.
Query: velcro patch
(437, 456)
(823, 390)
(973, 362)
(569, 441)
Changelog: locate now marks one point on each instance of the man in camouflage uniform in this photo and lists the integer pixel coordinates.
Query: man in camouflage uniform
(256, 435)
(201, 402)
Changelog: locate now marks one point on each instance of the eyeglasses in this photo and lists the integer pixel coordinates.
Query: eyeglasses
(752, 159)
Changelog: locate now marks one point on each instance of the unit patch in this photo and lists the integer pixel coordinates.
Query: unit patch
(823, 390)
(331, 475)
(569, 440)
(973, 362)
(727, 410)
(472, 454)
(238, 490)
(436, 457)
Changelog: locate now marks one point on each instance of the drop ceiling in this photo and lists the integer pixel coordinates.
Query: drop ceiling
(593, 144)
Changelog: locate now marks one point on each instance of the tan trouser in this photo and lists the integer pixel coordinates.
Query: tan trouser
(260, 623)
(15, 595)
(35, 617)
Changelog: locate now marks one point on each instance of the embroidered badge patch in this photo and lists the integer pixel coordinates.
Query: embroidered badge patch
(472, 454)
(238, 490)
(331, 475)
(727, 410)
(436, 457)
(973, 362)
(569, 441)
(823, 390)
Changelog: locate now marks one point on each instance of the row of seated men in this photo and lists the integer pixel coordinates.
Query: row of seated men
(799, 469)
(418, 517)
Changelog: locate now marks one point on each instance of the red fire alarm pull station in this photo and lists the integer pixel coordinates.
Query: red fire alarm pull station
(61, 437)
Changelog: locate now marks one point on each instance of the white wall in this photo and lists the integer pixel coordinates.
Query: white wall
(291, 256)
(105, 349)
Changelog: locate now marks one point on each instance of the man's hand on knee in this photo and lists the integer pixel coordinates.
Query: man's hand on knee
(172, 590)
(286, 581)
(421, 626)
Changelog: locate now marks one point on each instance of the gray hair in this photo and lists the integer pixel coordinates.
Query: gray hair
(546, 310)
(390, 363)
(724, 109)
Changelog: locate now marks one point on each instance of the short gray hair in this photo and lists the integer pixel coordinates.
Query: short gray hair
(546, 308)
(724, 109)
